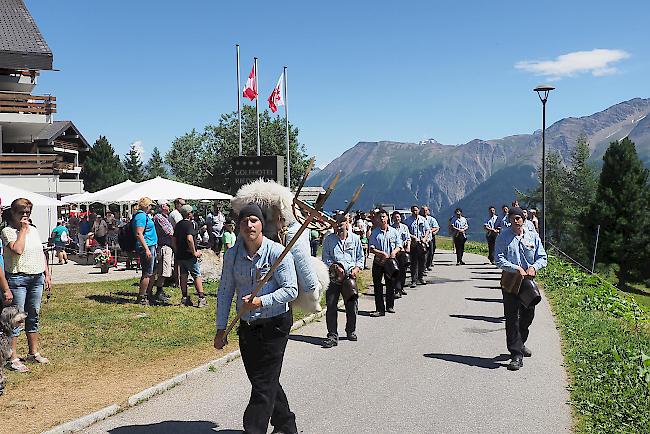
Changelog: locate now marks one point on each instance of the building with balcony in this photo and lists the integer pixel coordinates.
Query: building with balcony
(37, 153)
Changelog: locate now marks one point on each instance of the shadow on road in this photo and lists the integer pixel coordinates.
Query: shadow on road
(480, 362)
(485, 278)
(308, 339)
(488, 287)
(174, 426)
(492, 319)
(485, 300)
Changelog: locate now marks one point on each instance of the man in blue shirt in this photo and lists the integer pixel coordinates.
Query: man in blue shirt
(459, 227)
(504, 222)
(434, 228)
(405, 236)
(146, 241)
(385, 243)
(418, 228)
(265, 322)
(84, 228)
(343, 254)
(491, 231)
(518, 251)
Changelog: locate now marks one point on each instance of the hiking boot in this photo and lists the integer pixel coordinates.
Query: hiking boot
(403, 292)
(330, 342)
(526, 352)
(143, 300)
(161, 298)
(398, 294)
(412, 284)
(203, 302)
(390, 310)
(516, 363)
(421, 282)
(186, 301)
(352, 336)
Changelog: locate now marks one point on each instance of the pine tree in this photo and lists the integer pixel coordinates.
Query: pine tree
(620, 208)
(156, 165)
(133, 164)
(102, 167)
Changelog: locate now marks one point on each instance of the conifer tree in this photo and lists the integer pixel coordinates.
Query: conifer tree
(133, 167)
(102, 167)
(156, 165)
(621, 209)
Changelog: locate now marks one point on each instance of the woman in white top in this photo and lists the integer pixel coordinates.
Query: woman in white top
(27, 274)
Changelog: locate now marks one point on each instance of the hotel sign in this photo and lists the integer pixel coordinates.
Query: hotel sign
(249, 169)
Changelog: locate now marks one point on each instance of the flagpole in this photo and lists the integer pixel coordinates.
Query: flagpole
(257, 108)
(239, 101)
(286, 118)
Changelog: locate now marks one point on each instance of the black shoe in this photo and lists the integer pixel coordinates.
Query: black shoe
(404, 292)
(412, 284)
(377, 314)
(390, 310)
(330, 342)
(516, 363)
(526, 351)
(462, 263)
(161, 298)
(352, 336)
(421, 282)
(398, 294)
(428, 268)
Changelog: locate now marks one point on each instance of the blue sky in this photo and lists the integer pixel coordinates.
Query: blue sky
(150, 71)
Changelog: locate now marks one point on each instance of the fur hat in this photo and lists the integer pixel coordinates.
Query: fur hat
(268, 195)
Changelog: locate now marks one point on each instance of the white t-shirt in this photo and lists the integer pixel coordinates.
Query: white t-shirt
(32, 261)
(175, 217)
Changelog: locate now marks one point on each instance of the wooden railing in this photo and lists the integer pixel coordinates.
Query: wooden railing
(15, 102)
(33, 164)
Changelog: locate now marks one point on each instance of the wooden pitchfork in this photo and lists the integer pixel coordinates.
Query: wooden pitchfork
(312, 212)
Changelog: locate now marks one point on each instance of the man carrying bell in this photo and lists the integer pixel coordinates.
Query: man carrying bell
(520, 254)
(384, 243)
(343, 254)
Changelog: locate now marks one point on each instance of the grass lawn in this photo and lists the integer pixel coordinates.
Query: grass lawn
(103, 348)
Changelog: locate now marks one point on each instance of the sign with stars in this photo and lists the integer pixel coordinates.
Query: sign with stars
(249, 169)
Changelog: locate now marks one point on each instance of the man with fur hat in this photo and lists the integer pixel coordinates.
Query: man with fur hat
(520, 251)
(343, 254)
(265, 322)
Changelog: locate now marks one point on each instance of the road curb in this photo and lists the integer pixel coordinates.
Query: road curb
(85, 421)
(88, 420)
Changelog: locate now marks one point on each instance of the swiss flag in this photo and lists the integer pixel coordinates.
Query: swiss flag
(277, 99)
(250, 91)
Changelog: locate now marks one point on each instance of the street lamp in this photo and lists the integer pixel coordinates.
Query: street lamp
(542, 91)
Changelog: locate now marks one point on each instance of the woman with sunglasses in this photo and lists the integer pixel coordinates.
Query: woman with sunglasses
(27, 274)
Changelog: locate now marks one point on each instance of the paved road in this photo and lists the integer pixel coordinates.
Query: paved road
(435, 366)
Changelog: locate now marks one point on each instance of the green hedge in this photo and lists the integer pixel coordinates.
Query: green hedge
(606, 345)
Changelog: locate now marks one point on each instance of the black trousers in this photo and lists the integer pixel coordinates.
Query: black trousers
(491, 240)
(262, 348)
(417, 262)
(518, 320)
(377, 275)
(459, 243)
(331, 315)
(431, 251)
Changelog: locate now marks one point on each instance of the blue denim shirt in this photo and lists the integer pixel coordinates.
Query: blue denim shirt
(432, 222)
(512, 251)
(403, 231)
(491, 222)
(386, 241)
(417, 226)
(348, 252)
(240, 275)
(504, 222)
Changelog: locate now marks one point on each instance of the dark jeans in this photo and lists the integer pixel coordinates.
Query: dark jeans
(431, 251)
(417, 262)
(262, 350)
(314, 247)
(518, 320)
(459, 243)
(491, 240)
(377, 275)
(331, 316)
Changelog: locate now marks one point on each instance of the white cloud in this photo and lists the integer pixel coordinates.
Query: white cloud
(137, 145)
(599, 62)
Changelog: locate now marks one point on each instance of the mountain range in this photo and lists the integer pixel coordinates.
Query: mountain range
(479, 173)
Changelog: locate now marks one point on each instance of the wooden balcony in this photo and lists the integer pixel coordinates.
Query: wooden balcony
(15, 102)
(33, 164)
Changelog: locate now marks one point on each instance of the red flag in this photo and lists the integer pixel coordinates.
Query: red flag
(250, 91)
(277, 99)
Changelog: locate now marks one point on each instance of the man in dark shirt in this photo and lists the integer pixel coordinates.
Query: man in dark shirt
(187, 256)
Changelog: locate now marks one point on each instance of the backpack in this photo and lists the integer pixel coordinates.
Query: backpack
(126, 236)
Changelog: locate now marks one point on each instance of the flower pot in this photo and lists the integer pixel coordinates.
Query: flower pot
(104, 267)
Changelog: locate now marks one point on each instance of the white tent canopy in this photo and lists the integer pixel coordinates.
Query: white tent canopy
(101, 195)
(164, 189)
